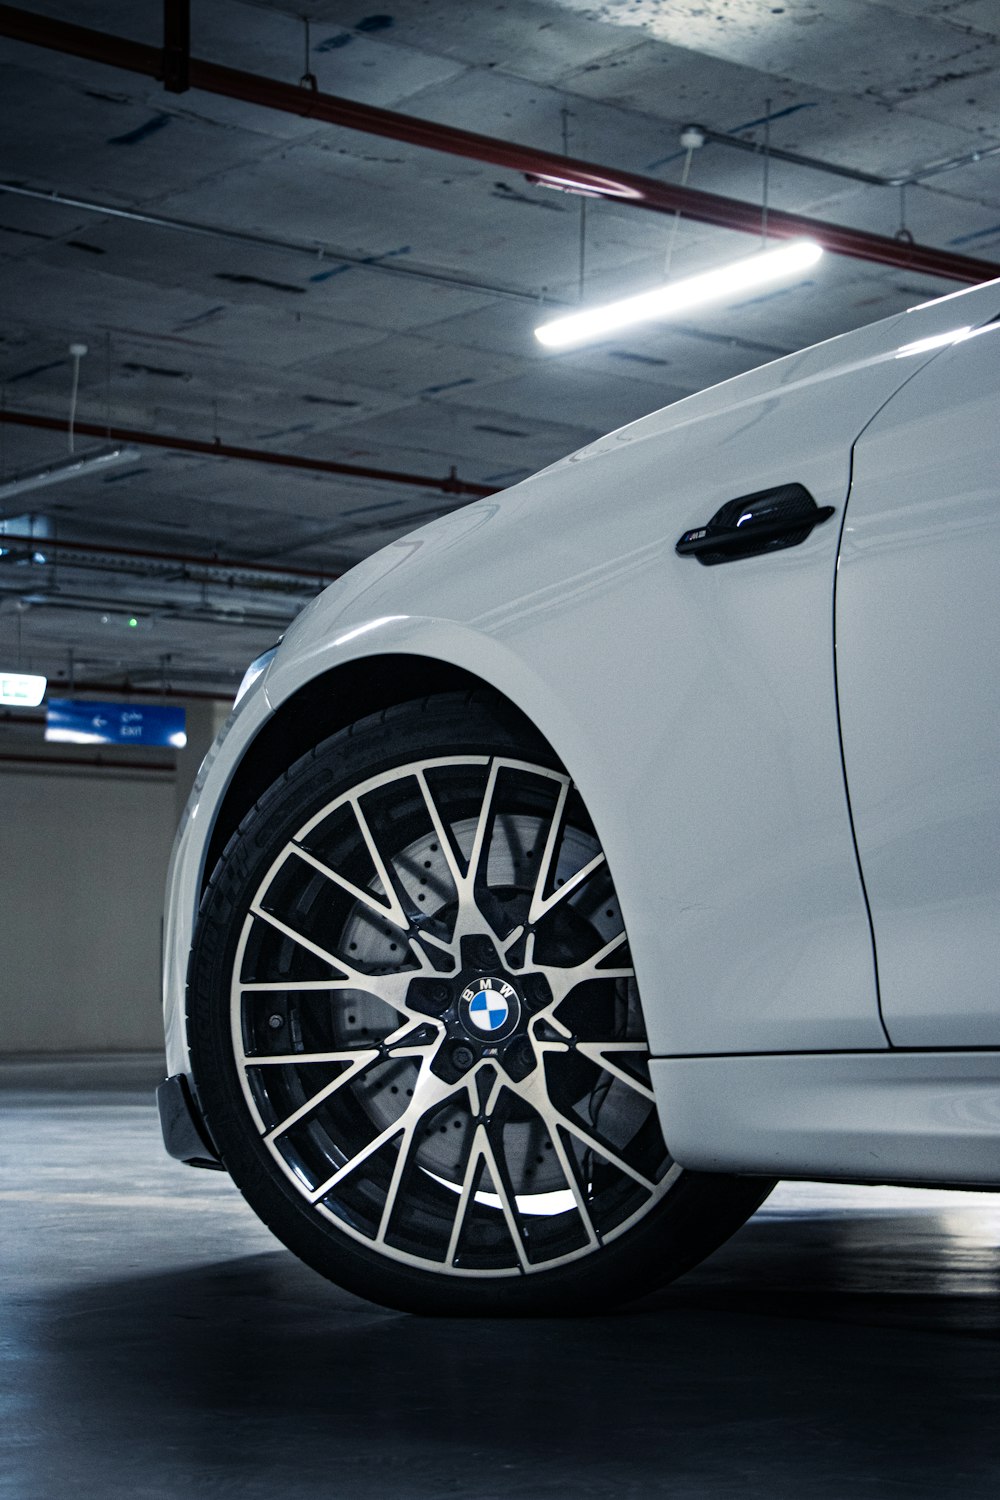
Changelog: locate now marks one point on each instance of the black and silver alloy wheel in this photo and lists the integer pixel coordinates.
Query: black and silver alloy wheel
(416, 1031)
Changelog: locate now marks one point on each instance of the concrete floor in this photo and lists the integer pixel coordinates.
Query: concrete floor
(156, 1342)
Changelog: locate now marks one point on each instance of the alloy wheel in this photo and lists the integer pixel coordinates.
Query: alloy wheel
(436, 1026)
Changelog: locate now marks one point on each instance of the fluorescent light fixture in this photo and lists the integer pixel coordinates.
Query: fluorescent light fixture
(69, 467)
(21, 690)
(587, 185)
(675, 296)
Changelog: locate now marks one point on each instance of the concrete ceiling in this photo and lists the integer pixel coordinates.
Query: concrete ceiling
(417, 354)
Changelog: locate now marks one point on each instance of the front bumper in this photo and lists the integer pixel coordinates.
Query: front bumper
(185, 1134)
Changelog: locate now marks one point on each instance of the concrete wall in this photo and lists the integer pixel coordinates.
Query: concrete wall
(83, 862)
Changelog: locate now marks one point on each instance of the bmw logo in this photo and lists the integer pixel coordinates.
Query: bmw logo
(490, 1009)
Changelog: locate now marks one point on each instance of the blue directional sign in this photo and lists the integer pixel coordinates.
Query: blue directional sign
(76, 723)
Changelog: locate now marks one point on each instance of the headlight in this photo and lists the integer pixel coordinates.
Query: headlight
(256, 669)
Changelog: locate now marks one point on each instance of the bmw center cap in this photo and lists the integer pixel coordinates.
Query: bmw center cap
(490, 1009)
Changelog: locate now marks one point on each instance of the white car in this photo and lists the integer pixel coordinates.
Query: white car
(594, 856)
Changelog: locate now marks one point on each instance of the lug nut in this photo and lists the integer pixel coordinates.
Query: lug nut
(536, 989)
(439, 993)
(486, 954)
(462, 1056)
(520, 1057)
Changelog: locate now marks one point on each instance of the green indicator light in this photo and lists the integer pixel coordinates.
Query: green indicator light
(133, 622)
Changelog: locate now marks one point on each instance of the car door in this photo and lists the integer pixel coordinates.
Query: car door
(918, 671)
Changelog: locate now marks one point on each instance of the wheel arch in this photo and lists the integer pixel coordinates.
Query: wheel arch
(325, 704)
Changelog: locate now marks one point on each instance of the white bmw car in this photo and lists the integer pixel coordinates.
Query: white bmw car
(590, 858)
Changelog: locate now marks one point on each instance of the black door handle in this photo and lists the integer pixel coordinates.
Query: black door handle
(766, 521)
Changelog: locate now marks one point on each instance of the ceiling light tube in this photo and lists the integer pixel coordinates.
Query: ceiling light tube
(67, 468)
(676, 296)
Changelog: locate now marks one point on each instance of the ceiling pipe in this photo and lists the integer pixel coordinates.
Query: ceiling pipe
(123, 689)
(316, 250)
(164, 611)
(836, 169)
(173, 559)
(545, 167)
(451, 485)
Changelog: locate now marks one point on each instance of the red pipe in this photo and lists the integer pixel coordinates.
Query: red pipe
(450, 486)
(80, 41)
(545, 166)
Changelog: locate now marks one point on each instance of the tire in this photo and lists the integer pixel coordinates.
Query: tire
(416, 1036)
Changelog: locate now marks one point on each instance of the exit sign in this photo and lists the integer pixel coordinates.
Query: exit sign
(70, 722)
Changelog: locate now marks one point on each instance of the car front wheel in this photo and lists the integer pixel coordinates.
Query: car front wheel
(416, 1034)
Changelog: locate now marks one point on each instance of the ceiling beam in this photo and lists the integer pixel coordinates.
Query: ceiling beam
(89, 762)
(546, 167)
(450, 485)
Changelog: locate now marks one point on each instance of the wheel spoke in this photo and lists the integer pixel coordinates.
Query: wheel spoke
(389, 1045)
(507, 1204)
(297, 937)
(598, 1053)
(358, 1062)
(549, 850)
(392, 907)
(383, 869)
(392, 1193)
(508, 942)
(562, 1156)
(390, 911)
(541, 909)
(533, 1089)
(563, 979)
(428, 1092)
(573, 1183)
(479, 840)
(389, 987)
(256, 987)
(541, 904)
(470, 1179)
(477, 911)
(607, 1152)
(286, 1059)
(441, 944)
(592, 964)
(443, 834)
